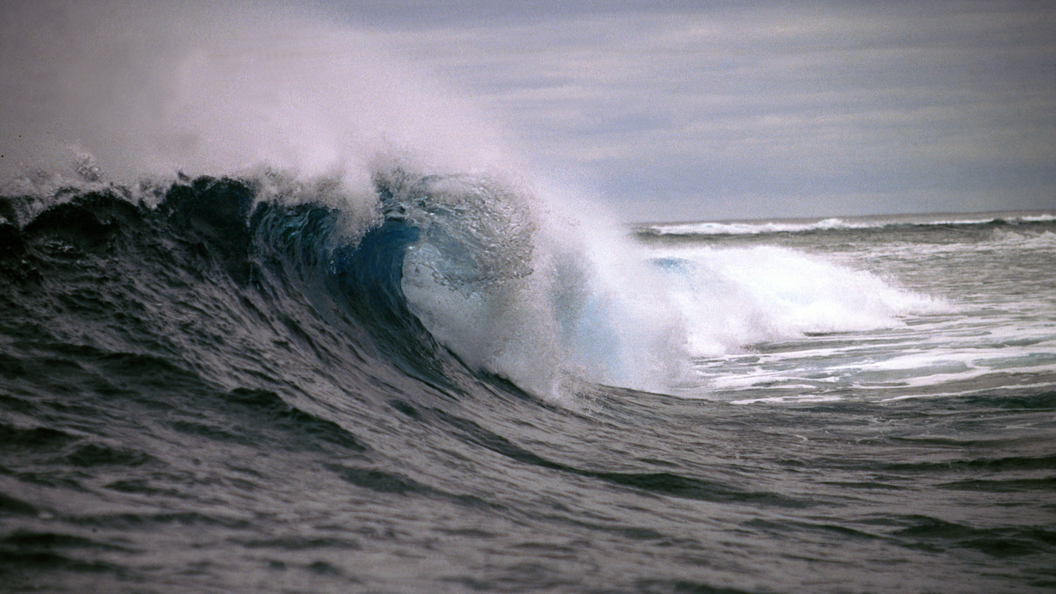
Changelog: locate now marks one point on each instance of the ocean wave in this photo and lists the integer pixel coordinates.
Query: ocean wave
(443, 276)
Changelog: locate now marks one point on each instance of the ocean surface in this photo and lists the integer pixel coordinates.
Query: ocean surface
(243, 384)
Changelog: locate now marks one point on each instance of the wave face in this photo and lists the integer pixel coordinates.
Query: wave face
(210, 264)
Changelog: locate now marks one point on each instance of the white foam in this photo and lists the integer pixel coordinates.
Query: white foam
(789, 399)
(739, 296)
(751, 228)
(706, 228)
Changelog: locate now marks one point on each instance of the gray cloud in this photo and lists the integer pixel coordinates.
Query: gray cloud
(667, 110)
(673, 111)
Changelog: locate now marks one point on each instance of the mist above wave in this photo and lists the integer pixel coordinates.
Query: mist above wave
(117, 91)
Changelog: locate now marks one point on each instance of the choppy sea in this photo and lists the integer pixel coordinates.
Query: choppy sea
(234, 385)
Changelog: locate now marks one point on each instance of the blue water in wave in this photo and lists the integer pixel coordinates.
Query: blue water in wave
(208, 386)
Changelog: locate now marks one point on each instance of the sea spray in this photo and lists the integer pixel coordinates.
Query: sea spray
(206, 88)
(516, 290)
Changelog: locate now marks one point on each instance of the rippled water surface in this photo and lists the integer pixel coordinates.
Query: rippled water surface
(214, 395)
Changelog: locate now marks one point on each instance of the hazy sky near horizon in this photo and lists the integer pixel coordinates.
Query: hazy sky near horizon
(694, 110)
(665, 110)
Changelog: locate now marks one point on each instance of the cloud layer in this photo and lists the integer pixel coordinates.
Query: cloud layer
(674, 112)
(666, 110)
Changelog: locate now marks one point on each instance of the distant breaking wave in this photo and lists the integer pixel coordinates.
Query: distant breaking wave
(830, 224)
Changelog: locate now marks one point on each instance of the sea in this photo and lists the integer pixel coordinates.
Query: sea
(253, 383)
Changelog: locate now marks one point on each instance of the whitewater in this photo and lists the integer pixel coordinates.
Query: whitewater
(280, 313)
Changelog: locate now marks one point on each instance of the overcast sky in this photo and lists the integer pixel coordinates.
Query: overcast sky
(667, 110)
(700, 110)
